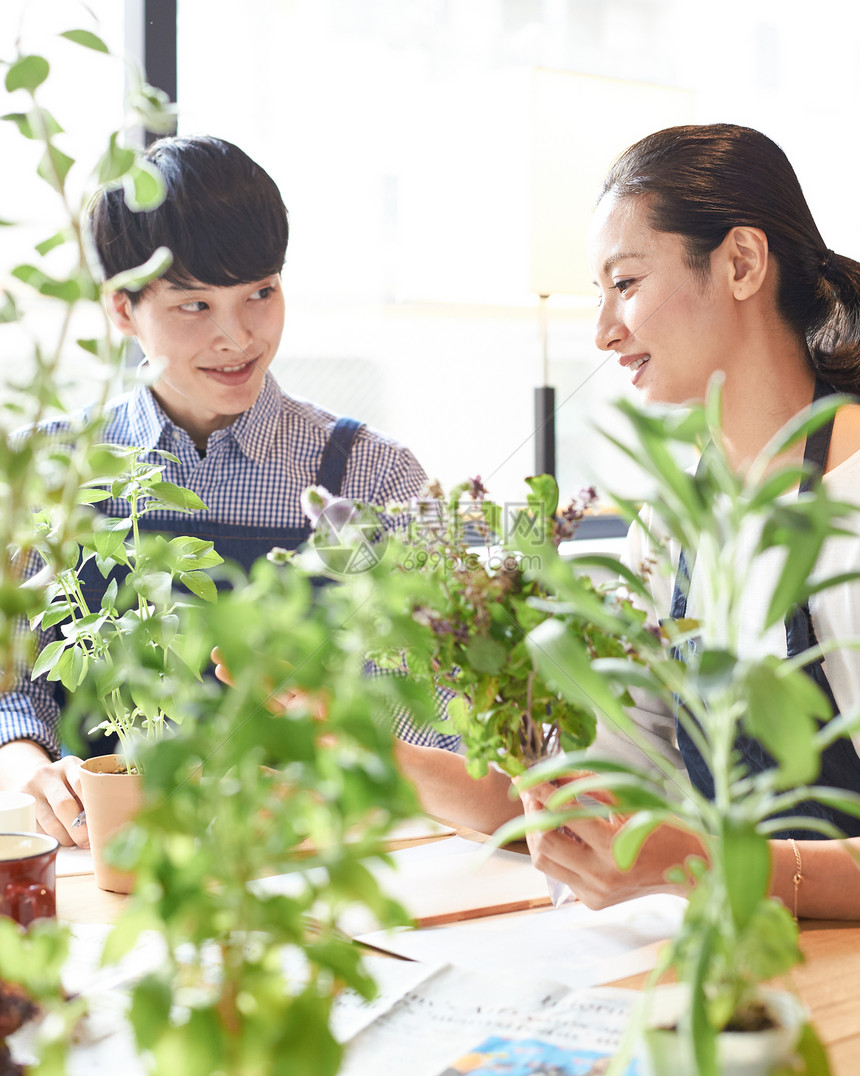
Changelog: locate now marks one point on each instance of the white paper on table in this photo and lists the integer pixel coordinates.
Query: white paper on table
(571, 944)
(454, 1010)
(73, 861)
(394, 978)
(451, 878)
(418, 828)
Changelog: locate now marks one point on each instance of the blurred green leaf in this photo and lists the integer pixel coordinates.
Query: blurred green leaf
(8, 309)
(54, 167)
(116, 161)
(37, 124)
(27, 73)
(628, 841)
(486, 654)
(144, 187)
(136, 279)
(810, 1049)
(47, 245)
(86, 38)
(781, 714)
(747, 867)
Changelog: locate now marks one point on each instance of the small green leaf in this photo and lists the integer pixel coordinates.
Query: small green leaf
(715, 670)
(87, 39)
(55, 240)
(71, 668)
(176, 496)
(544, 494)
(48, 658)
(144, 187)
(812, 1053)
(628, 841)
(485, 654)
(27, 73)
(8, 309)
(781, 714)
(115, 163)
(109, 596)
(150, 1010)
(54, 167)
(38, 124)
(201, 584)
(746, 855)
(164, 629)
(154, 586)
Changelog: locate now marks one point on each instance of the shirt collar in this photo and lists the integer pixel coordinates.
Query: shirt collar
(254, 430)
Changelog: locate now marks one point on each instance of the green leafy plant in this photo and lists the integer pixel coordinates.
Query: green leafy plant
(121, 652)
(460, 583)
(246, 790)
(37, 472)
(734, 936)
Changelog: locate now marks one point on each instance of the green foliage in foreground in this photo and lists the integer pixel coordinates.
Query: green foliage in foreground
(734, 935)
(247, 789)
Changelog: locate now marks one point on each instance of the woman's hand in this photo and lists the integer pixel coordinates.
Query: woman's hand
(580, 854)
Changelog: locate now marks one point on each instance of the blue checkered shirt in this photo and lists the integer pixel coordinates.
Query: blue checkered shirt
(252, 474)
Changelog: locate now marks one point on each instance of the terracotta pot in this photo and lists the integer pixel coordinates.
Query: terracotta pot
(740, 1053)
(111, 798)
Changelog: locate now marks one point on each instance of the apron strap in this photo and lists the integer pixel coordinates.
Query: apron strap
(336, 454)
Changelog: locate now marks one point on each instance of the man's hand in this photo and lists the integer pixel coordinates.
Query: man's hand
(56, 787)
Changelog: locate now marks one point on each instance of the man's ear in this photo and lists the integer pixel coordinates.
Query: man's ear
(121, 312)
(748, 256)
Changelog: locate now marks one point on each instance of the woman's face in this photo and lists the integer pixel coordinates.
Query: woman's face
(670, 328)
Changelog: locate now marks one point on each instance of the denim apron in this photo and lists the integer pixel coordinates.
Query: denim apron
(242, 543)
(840, 766)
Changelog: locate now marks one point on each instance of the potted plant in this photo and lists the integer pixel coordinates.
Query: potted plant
(114, 658)
(735, 937)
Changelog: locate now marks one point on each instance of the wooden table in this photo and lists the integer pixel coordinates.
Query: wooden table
(827, 982)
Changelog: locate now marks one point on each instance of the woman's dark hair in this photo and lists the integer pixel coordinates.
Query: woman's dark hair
(702, 180)
(223, 217)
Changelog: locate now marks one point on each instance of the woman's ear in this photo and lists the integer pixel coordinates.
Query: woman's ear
(748, 256)
(121, 312)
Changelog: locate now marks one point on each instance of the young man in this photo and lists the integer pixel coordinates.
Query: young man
(209, 328)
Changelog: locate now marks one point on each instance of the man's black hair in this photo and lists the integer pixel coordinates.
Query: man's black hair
(223, 217)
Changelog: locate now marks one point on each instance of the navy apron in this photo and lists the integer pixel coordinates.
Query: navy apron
(840, 766)
(242, 543)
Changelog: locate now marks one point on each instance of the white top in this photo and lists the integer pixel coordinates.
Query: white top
(835, 615)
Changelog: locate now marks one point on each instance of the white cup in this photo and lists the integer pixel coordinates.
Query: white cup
(17, 812)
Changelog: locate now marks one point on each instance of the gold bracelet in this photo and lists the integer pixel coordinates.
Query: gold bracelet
(798, 874)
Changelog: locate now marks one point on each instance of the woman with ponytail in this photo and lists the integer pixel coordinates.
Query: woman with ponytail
(707, 259)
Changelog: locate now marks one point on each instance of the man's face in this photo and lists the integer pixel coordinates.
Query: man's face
(212, 346)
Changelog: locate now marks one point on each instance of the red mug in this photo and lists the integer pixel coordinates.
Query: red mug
(28, 888)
